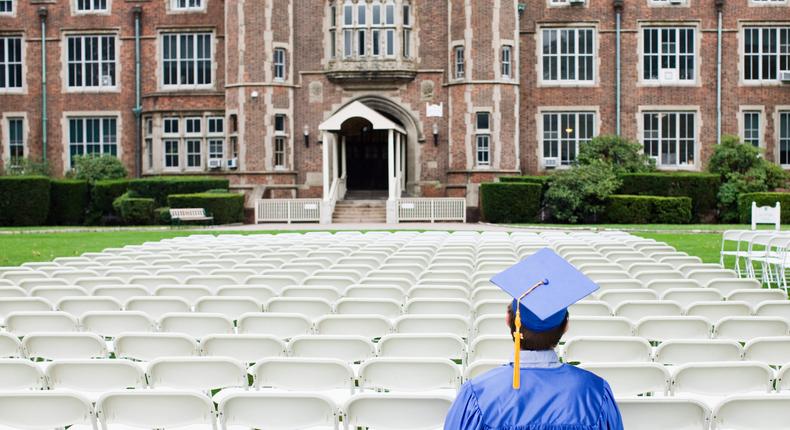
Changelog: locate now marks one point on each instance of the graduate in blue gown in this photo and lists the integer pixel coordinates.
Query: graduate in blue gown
(536, 391)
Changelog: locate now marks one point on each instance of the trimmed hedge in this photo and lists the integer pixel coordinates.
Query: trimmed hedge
(137, 211)
(225, 208)
(69, 202)
(159, 188)
(763, 199)
(103, 194)
(626, 209)
(162, 216)
(24, 200)
(510, 202)
(702, 188)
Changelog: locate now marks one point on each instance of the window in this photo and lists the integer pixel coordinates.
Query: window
(279, 64)
(483, 138)
(567, 55)
(332, 31)
(506, 61)
(171, 153)
(216, 141)
(459, 62)
(185, 5)
(93, 136)
(669, 137)
(193, 152)
(766, 53)
(10, 62)
(187, 60)
(751, 128)
(91, 62)
(16, 140)
(406, 17)
(784, 138)
(279, 123)
(279, 152)
(668, 55)
(7, 6)
(91, 5)
(149, 143)
(563, 132)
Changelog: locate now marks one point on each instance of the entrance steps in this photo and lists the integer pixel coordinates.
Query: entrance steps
(360, 211)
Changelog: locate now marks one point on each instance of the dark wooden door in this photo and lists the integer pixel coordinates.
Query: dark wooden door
(366, 161)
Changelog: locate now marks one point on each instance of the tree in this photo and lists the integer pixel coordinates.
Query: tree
(94, 168)
(579, 194)
(622, 154)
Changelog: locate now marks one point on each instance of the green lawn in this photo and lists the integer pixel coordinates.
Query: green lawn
(704, 245)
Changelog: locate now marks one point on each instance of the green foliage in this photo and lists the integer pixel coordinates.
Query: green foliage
(763, 199)
(24, 200)
(579, 194)
(162, 216)
(542, 180)
(742, 170)
(26, 167)
(510, 202)
(702, 188)
(625, 209)
(69, 200)
(622, 154)
(137, 211)
(94, 168)
(103, 194)
(159, 188)
(225, 208)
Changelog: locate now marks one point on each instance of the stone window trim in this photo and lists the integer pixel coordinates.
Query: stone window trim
(284, 63)
(507, 64)
(565, 3)
(9, 11)
(160, 59)
(779, 111)
(668, 4)
(759, 109)
(205, 135)
(172, 9)
(769, 3)
(280, 155)
(23, 47)
(698, 127)
(542, 110)
(595, 82)
(483, 138)
(5, 119)
(742, 27)
(76, 11)
(64, 124)
(458, 62)
(64, 57)
(698, 59)
(376, 31)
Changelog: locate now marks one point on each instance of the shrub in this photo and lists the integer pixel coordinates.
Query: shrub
(69, 200)
(225, 208)
(702, 188)
(134, 210)
(94, 168)
(625, 209)
(24, 200)
(622, 154)
(162, 216)
(158, 188)
(103, 194)
(26, 167)
(510, 202)
(579, 194)
(763, 199)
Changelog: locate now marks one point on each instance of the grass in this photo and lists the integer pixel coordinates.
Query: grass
(704, 245)
(636, 228)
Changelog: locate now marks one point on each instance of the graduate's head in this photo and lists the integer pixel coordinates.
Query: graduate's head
(538, 335)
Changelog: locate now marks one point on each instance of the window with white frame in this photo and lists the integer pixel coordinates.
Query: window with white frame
(376, 23)
(406, 18)
(172, 142)
(507, 52)
(568, 55)
(16, 140)
(91, 5)
(784, 138)
(483, 138)
(460, 68)
(92, 136)
(766, 53)
(279, 64)
(91, 61)
(361, 29)
(563, 133)
(348, 31)
(751, 128)
(669, 137)
(389, 31)
(332, 31)
(187, 60)
(370, 28)
(193, 141)
(279, 141)
(10, 63)
(666, 2)
(6, 6)
(668, 54)
(216, 137)
(186, 5)
(149, 142)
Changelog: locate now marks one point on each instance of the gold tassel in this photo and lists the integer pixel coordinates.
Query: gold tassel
(517, 336)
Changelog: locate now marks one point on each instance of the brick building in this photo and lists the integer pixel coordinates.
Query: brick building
(409, 97)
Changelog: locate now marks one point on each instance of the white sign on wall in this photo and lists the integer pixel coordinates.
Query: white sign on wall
(434, 111)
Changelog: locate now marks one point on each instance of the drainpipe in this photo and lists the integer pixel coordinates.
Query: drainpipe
(618, 11)
(42, 14)
(719, 7)
(138, 109)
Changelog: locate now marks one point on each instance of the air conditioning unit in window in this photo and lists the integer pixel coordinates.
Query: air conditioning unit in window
(784, 76)
(669, 75)
(233, 163)
(551, 163)
(106, 80)
(215, 163)
(576, 2)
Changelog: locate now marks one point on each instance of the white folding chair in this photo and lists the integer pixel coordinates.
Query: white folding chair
(668, 328)
(330, 294)
(93, 377)
(409, 374)
(703, 276)
(480, 367)
(752, 412)
(631, 379)
(310, 308)
(755, 297)
(190, 293)
(351, 349)
(213, 282)
(783, 379)
(590, 308)
(17, 374)
(122, 293)
(747, 328)
(113, 323)
(150, 346)
(23, 410)
(727, 286)
(773, 308)
(260, 294)
(281, 325)
(152, 282)
(57, 346)
(10, 346)
(396, 411)
(598, 326)
(432, 324)
(247, 348)
(686, 297)
(278, 411)
(491, 347)
(155, 409)
(715, 311)
(422, 345)
(636, 310)
(54, 294)
(615, 297)
(230, 307)
(370, 326)
(23, 323)
(78, 306)
(23, 304)
(652, 413)
(458, 307)
(660, 286)
(385, 307)
(596, 349)
(203, 374)
(682, 351)
(714, 379)
(155, 306)
(392, 292)
(197, 325)
(773, 351)
(304, 374)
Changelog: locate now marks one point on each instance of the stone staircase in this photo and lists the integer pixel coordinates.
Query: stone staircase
(360, 211)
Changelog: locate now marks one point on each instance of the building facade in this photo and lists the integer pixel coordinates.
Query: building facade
(285, 97)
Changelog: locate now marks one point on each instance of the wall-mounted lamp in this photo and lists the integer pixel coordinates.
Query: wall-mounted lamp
(306, 136)
(521, 8)
(435, 134)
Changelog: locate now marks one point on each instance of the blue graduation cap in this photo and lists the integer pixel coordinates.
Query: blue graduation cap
(542, 285)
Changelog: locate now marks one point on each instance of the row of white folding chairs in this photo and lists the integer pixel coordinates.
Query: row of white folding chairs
(686, 296)
(253, 409)
(660, 286)
(741, 302)
(702, 276)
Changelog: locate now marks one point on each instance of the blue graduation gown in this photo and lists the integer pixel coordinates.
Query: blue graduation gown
(551, 398)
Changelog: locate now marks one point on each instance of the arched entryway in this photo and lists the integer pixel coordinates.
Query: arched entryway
(365, 158)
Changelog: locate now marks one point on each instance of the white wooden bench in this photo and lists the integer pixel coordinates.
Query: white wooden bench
(189, 214)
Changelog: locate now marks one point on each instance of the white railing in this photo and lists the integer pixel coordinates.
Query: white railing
(432, 209)
(336, 192)
(398, 185)
(288, 210)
